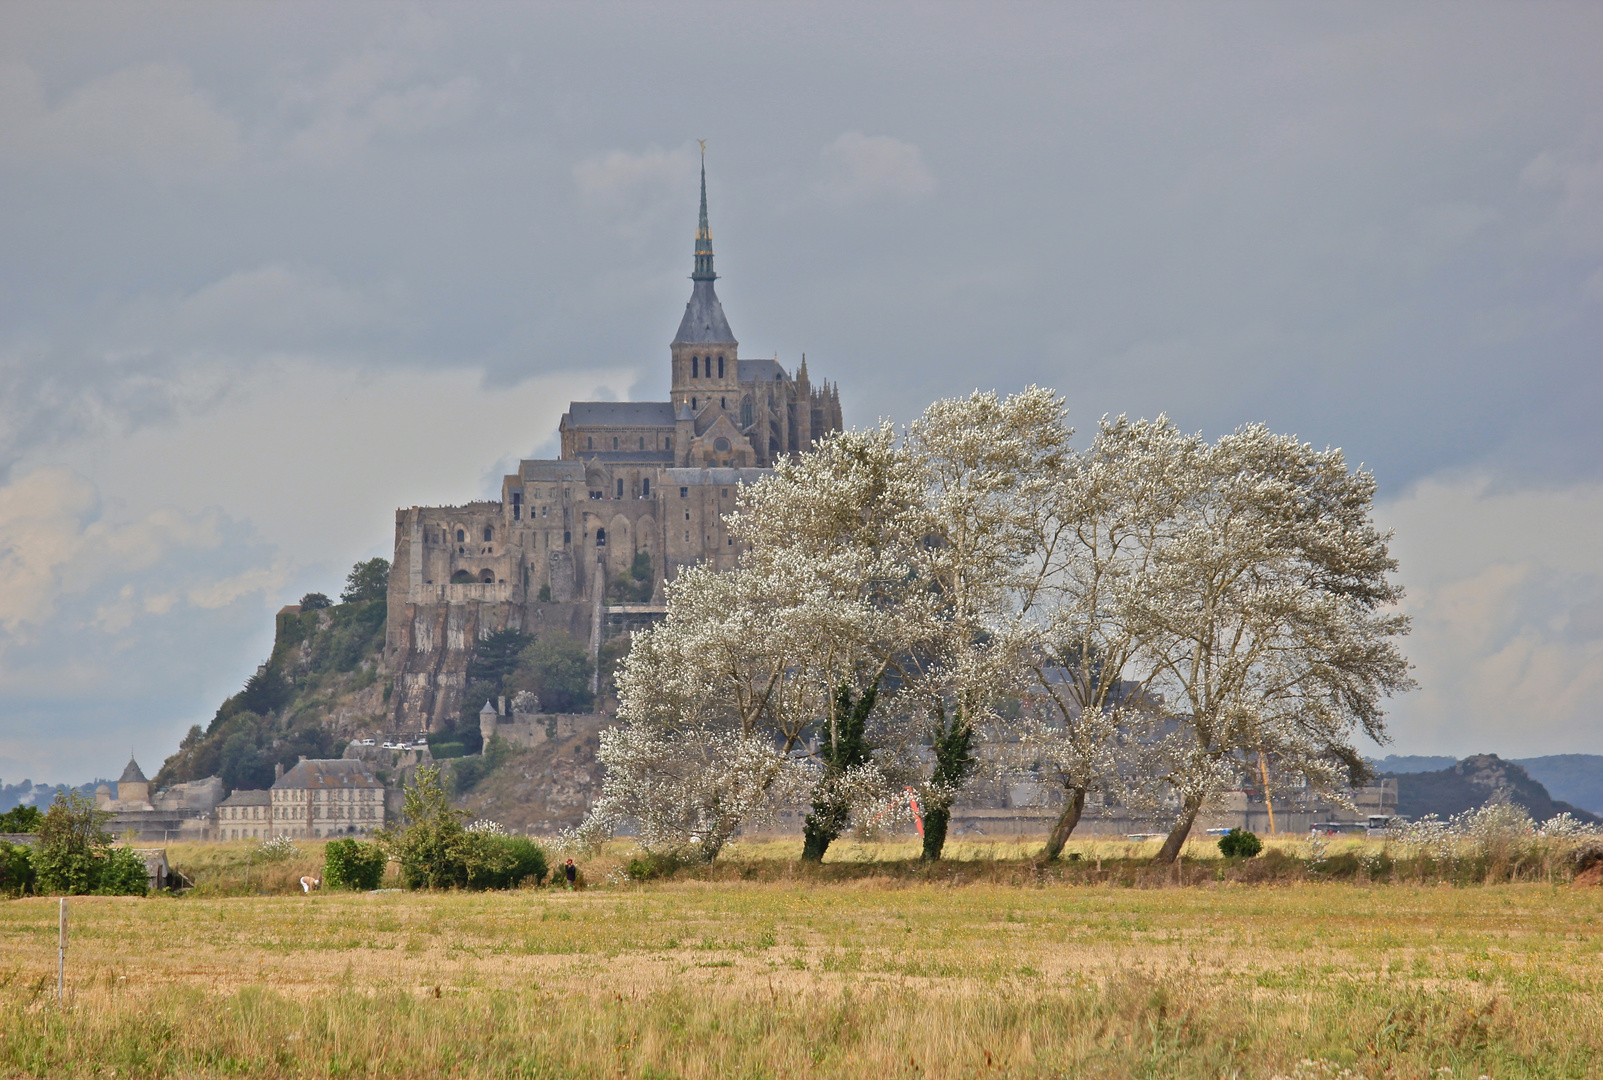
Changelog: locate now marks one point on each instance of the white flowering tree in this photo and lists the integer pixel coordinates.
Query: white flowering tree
(985, 465)
(1266, 617)
(1095, 725)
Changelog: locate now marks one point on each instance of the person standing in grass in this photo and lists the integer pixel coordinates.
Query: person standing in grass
(570, 872)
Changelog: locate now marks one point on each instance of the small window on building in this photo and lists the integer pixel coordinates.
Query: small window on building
(461, 535)
(567, 537)
(487, 576)
(693, 405)
(724, 493)
(695, 367)
(489, 534)
(720, 367)
(615, 442)
(543, 510)
(730, 540)
(684, 493)
(642, 442)
(667, 443)
(601, 538)
(687, 536)
(645, 489)
(620, 487)
(720, 444)
(589, 443)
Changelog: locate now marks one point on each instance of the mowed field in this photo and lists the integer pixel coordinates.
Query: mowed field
(992, 973)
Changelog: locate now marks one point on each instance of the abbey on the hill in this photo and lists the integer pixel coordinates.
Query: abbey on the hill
(653, 477)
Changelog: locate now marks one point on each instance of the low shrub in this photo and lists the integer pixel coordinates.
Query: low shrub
(353, 864)
(653, 865)
(16, 869)
(1239, 843)
(122, 873)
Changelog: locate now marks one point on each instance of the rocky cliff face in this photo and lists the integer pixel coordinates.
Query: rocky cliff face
(540, 790)
(1470, 783)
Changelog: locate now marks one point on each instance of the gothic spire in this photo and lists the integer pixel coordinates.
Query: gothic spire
(703, 232)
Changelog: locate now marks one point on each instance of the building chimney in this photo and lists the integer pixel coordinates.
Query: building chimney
(278, 770)
(501, 706)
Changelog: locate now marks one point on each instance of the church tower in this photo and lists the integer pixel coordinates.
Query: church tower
(705, 368)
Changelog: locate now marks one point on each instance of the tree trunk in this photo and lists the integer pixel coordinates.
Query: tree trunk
(936, 818)
(1066, 823)
(822, 827)
(1177, 835)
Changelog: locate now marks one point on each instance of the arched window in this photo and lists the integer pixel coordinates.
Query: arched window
(721, 445)
(693, 405)
(615, 442)
(589, 443)
(747, 412)
(487, 576)
(461, 535)
(642, 442)
(720, 367)
(601, 538)
(489, 534)
(695, 367)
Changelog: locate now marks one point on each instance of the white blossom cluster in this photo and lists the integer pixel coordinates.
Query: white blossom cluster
(487, 827)
(1164, 608)
(1499, 828)
(277, 849)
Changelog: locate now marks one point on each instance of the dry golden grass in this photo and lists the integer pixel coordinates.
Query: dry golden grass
(869, 976)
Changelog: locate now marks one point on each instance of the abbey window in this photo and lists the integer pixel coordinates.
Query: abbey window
(695, 367)
(720, 367)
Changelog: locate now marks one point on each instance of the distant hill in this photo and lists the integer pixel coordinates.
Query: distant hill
(1410, 763)
(1468, 784)
(1575, 778)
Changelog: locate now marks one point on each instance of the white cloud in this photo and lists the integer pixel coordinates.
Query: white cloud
(1573, 175)
(149, 117)
(860, 167)
(1505, 590)
(632, 191)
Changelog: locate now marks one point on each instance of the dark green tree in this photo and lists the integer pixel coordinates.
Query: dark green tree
(846, 748)
(21, 819)
(265, 692)
(432, 847)
(73, 844)
(368, 581)
(556, 668)
(634, 586)
(315, 601)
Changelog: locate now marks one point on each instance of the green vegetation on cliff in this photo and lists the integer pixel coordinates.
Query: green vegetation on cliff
(324, 673)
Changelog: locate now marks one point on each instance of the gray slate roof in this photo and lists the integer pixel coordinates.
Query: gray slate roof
(132, 774)
(329, 773)
(619, 414)
(248, 798)
(762, 371)
(713, 477)
(648, 457)
(704, 321)
(536, 469)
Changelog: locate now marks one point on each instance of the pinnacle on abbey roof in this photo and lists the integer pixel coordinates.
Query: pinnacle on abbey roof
(704, 322)
(703, 271)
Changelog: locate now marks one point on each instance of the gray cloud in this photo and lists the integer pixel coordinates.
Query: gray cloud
(1381, 228)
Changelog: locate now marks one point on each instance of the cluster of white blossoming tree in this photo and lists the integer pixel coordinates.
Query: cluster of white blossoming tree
(1167, 606)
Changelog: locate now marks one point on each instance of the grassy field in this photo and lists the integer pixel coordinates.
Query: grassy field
(873, 972)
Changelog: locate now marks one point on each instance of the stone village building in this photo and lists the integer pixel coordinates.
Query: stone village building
(639, 476)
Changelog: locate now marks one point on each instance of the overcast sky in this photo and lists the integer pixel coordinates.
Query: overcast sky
(270, 271)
